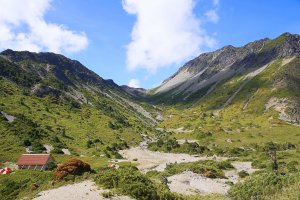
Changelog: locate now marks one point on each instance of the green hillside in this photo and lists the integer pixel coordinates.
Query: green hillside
(67, 106)
(241, 104)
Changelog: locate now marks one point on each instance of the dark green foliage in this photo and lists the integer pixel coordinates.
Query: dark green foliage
(193, 148)
(57, 151)
(200, 93)
(12, 189)
(166, 145)
(261, 185)
(26, 129)
(171, 145)
(26, 142)
(208, 168)
(89, 143)
(121, 121)
(54, 82)
(113, 149)
(73, 104)
(20, 182)
(236, 151)
(51, 166)
(117, 155)
(278, 146)
(243, 174)
(37, 147)
(107, 154)
(58, 146)
(15, 73)
(129, 181)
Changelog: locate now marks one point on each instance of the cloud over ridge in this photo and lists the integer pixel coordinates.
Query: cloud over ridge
(134, 83)
(166, 32)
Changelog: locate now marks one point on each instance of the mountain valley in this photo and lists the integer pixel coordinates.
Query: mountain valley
(220, 113)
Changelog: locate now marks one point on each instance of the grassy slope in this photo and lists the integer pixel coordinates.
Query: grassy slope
(241, 127)
(252, 124)
(79, 124)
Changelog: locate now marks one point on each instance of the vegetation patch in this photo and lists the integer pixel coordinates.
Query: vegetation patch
(262, 185)
(171, 145)
(24, 182)
(207, 168)
(128, 181)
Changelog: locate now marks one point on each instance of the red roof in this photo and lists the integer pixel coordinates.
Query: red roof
(33, 159)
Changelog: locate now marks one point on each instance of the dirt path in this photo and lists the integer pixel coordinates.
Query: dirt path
(186, 182)
(86, 190)
(150, 160)
(191, 183)
(233, 176)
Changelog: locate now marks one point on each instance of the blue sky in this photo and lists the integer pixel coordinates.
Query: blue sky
(168, 33)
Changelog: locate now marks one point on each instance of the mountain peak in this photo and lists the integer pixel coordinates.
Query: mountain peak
(211, 68)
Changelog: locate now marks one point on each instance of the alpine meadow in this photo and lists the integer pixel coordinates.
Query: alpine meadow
(225, 125)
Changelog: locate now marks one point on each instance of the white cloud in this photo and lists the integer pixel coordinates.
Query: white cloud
(23, 27)
(216, 2)
(135, 83)
(166, 32)
(212, 16)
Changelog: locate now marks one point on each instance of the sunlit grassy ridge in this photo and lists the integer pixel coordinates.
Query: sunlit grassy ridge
(244, 123)
(73, 126)
(252, 118)
(245, 128)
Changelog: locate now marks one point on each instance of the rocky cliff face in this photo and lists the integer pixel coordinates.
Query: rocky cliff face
(209, 69)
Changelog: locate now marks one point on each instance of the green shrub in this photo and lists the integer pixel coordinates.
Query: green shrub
(224, 165)
(37, 147)
(17, 184)
(260, 186)
(171, 145)
(57, 151)
(208, 168)
(107, 194)
(243, 174)
(51, 166)
(129, 181)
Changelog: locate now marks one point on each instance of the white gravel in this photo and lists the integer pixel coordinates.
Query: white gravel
(150, 160)
(191, 183)
(86, 190)
(66, 151)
